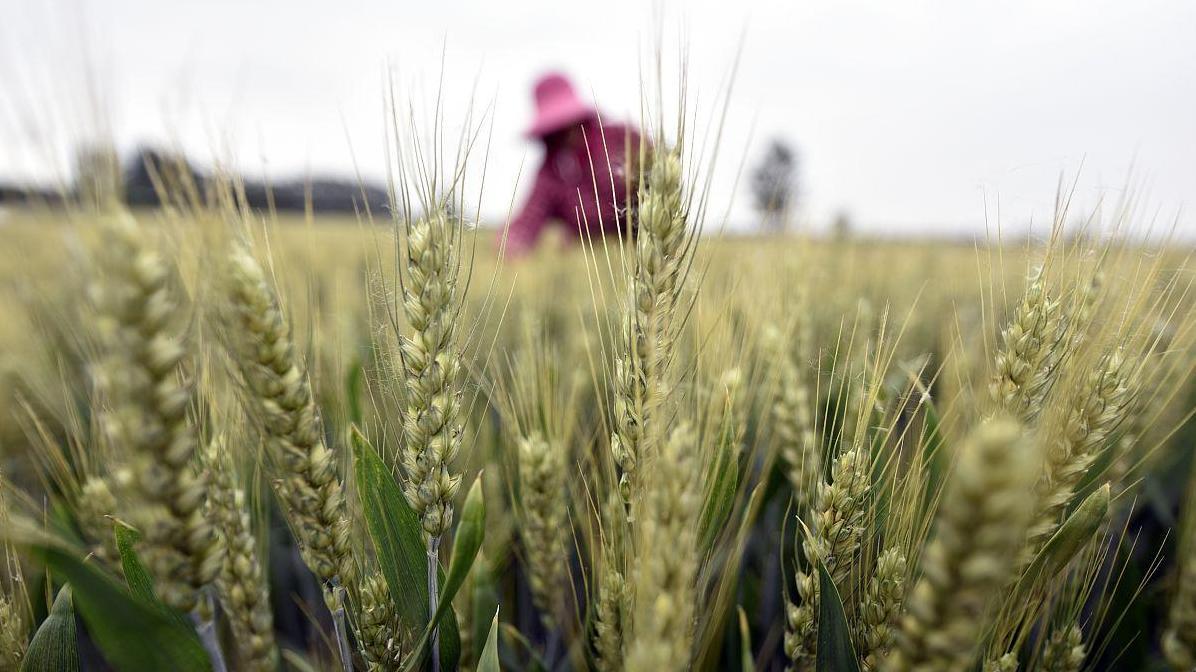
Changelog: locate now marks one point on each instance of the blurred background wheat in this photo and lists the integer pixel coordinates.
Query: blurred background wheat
(244, 429)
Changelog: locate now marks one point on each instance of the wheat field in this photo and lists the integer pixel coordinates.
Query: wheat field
(235, 440)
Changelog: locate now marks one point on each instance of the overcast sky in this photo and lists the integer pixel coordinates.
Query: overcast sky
(908, 115)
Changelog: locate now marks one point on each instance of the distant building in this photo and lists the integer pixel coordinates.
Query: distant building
(99, 175)
(150, 170)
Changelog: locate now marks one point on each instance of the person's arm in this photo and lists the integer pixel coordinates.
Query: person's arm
(527, 226)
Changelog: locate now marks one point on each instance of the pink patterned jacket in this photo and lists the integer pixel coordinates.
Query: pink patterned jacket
(585, 186)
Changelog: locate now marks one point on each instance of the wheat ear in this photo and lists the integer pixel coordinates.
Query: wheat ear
(979, 527)
(1096, 409)
(244, 592)
(881, 607)
(94, 507)
(432, 367)
(832, 536)
(14, 621)
(382, 640)
(280, 396)
(660, 263)
(1031, 346)
(1006, 663)
(143, 379)
(14, 634)
(793, 420)
(666, 569)
(1065, 650)
(610, 620)
(542, 521)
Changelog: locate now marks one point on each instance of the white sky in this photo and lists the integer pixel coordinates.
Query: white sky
(908, 115)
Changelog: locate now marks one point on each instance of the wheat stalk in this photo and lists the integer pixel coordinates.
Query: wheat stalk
(539, 406)
(1143, 409)
(861, 406)
(1179, 638)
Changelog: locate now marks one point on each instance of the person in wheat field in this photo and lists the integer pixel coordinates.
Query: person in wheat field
(588, 179)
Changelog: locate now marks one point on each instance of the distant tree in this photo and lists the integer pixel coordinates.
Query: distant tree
(774, 183)
(841, 228)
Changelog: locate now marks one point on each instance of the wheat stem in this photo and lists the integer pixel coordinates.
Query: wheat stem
(1179, 638)
(205, 626)
(434, 596)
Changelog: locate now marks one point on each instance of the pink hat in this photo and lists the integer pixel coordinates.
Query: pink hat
(557, 106)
